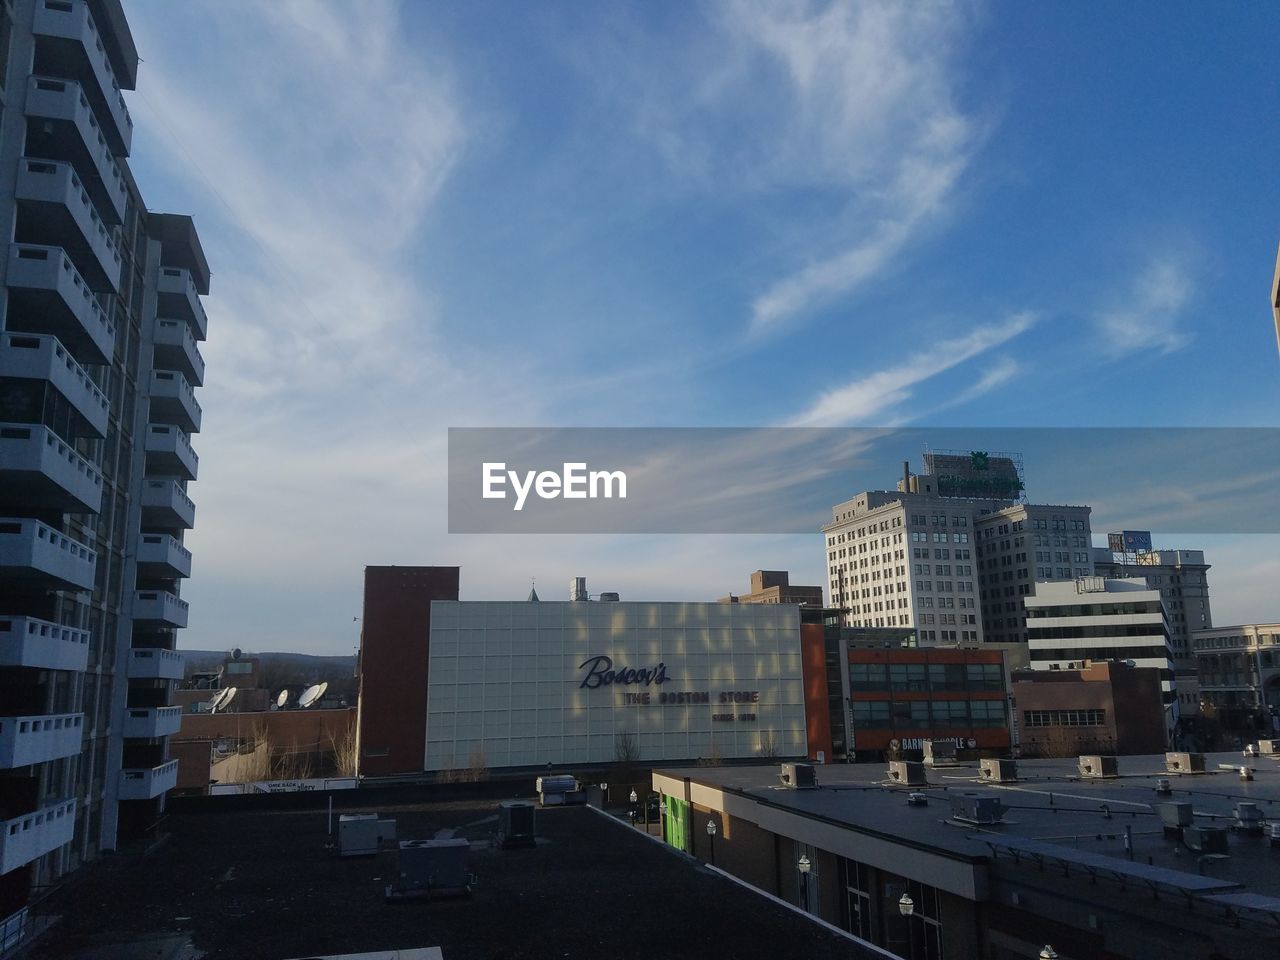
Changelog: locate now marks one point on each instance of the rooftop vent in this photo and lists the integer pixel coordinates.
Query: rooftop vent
(516, 824)
(1269, 748)
(798, 776)
(1184, 762)
(1248, 817)
(609, 597)
(1162, 787)
(998, 771)
(1099, 767)
(909, 773)
(1211, 840)
(1175, 816)
(940, 753)
(976, 808)
(917, 799)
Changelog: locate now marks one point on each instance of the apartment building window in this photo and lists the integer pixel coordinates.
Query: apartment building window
(987, 713)
(868, 676)
(959, 538)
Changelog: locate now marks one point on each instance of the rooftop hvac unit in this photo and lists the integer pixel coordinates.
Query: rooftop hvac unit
(1099, 767)
(998, 771)
(1269, 748)
(432, 868)
(360, 833)
(1275, 835)
(516, 824)
(556, 790)
(909, 773)
(976, 807)
(609, 597)
(798, 776)
(1211, 840)
(1175, 815)
(1248, 817)
(939, 753)
(1184, 762)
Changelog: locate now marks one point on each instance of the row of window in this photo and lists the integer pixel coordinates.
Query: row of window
(927, 714)
(926, 676)
(1064, 718)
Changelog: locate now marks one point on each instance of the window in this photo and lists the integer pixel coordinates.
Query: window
(868, 676)
(871, 713)
(987, 713)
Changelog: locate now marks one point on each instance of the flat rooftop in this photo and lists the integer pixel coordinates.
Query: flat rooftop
(231, 882)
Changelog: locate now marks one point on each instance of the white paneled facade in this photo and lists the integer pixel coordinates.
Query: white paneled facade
(505, 683)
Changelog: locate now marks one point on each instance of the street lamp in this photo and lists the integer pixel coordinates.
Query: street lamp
(633, 799)
(1048, 953)
(662, 817)
(907, 907)
(711, 832)
(604, 794)
(805, 866)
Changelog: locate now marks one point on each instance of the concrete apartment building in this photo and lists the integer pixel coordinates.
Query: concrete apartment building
(1240, 669)
(100, 318)
(774, 586)
(952, 552)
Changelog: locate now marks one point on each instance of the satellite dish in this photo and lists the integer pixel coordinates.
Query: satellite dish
(216, 702)
(231, 695)
(236, 653)
(283, 698)
(309, 696)
(324, 685)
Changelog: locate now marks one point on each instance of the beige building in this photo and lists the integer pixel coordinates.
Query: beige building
(1239, 666)
(774, 586)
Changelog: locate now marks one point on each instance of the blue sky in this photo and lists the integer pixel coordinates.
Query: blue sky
(430, 215)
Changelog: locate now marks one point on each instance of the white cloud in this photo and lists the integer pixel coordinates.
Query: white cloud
(1147, 316)
(870, 396)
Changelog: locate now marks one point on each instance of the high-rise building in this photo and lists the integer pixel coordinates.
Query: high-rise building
(1240, 674)
(953, 552)
(1182, 577)
(100, 317)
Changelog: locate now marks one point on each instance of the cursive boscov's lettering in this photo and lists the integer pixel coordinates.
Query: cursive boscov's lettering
(601, 673)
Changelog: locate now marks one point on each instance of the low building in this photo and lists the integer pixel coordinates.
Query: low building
(1102, 708)
(774, 586)
(1239, 669)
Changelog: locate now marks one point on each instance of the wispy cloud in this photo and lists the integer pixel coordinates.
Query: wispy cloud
(1146, 316)
(872, 395)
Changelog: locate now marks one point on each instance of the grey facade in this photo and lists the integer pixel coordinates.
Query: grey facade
(100, 320)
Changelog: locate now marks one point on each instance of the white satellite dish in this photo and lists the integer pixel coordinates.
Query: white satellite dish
(324, 685)
(283, 698)
(309, 696)
(222, 699)
(231, 695)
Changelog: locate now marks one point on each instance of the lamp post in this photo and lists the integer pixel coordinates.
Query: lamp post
(662, 818)
(804, 866)
(907, 907)
(604, 795)
(1048, 953)
(633, 798)
(711, 832)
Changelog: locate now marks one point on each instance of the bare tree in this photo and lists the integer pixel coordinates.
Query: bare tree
(769, 745)
(344, 754)
(477, 765)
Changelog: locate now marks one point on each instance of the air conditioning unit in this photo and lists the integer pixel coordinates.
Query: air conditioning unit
(976, 808)
(938, 753)
(998, 771)
(359, 834)
(556, 790)
(798, 776)
(1269, 748)
(1248, 817)
(1096, 767)
(1206, 840)
(433, 867)
(516, 824)
(1184, 762)
(909, 773)
(1175, 816)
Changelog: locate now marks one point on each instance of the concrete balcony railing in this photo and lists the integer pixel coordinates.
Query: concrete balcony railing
(161, 555)
(174, 401)
(34, 553)
(58, 212)
(30, 836)
(179, 299)
(169, 452)
(69, 124)
(48, 295)
(159, 607)
(151, 723)
(147, 783)
(32, 356)
(39, 739)
(166, 506)
(154, 663)
(41, 470)
(175, 349)
(41, 645)
(77, 49)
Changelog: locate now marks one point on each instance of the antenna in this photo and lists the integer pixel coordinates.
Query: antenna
(309, 696)
(283, 698)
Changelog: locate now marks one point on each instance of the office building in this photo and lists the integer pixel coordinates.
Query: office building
(1182, 577)
(99, 330)
(1108, 707)
(952, 552)
(1239, 670)
(774, 586)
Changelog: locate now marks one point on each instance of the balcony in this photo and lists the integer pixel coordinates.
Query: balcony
(32, 835)
(160, 555)
(32, 553)
(66, 128)
(28, 740)
(69, 44)
(54, 209)
(166, 506)
(151, 723)
(160, 608)
(41, 645)
(169, 452)
(32, 356)
(48, 295)
(180, 300)
(39, 469)
(174, 401)
(155, 663)
(148, 783)
(175, 349)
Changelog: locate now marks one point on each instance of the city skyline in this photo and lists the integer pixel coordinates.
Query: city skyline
(425, 217)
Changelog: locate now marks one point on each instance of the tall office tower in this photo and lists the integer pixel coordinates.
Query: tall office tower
(952, 552)
(1182, 577)
(100, 315)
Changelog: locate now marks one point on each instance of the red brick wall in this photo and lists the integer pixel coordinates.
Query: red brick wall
(817, 709)
(393, 664)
